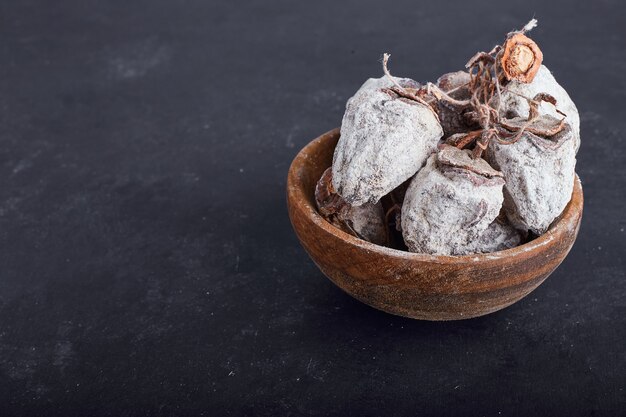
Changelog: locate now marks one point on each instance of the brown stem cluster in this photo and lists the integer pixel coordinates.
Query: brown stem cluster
(518, 58)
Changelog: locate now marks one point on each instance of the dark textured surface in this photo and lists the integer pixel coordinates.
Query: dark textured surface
(148, 266)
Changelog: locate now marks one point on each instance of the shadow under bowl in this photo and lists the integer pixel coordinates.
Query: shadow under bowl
(420, 286)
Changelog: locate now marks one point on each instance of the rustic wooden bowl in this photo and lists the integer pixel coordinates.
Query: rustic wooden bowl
(426, 287)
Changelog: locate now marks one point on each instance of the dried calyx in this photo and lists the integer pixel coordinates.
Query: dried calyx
(452, 157)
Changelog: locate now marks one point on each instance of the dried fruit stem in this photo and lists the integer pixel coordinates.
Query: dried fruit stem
(397, 88)
(432, 89)
(519, 58)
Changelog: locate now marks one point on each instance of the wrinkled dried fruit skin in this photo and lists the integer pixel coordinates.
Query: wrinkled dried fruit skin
(539, 176)
(447, 208)
(329, 203)
(452, 80)
(368, 221)
(452, 116)
(365, 222)
(498, 236)
(384, 141)
(513, 105)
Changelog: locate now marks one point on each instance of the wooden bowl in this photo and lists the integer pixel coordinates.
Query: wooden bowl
(426, 287)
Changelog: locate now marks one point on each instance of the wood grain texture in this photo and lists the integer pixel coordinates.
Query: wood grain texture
(426, 287)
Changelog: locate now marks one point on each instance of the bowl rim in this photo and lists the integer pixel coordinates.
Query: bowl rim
(297, 196)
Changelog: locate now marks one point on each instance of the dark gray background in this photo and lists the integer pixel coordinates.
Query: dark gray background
(147, 263)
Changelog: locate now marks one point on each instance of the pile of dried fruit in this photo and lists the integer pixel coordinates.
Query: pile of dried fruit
(481, 161)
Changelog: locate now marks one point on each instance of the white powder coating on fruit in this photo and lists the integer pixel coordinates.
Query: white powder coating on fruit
(515, 105)
(498, 236)
(368, 220)
(447, 208)
(384, 141)
(539, 176)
